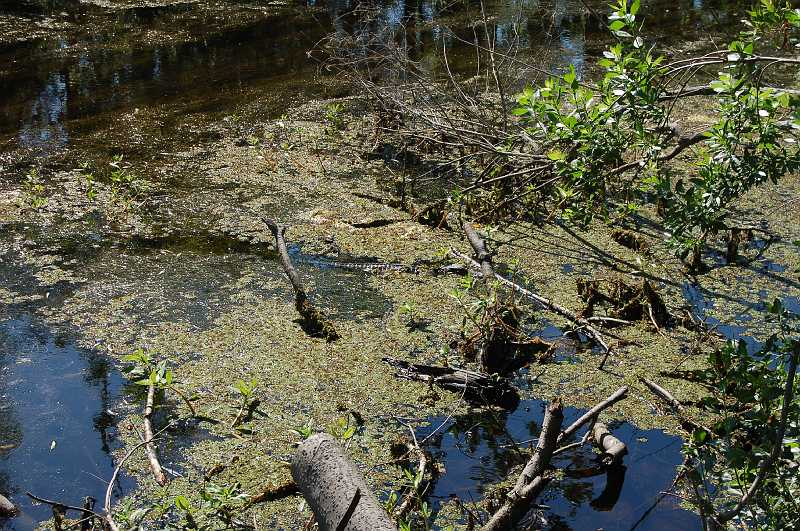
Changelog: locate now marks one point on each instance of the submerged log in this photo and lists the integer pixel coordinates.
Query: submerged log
(335, 489)
(475, 386)
(314, 322)
(613, 449)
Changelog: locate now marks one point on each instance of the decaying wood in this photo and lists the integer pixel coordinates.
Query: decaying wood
(613, 449)
(335, 489)
(533, 479)
(315, 322)
(586, 327)
(475, 386)
(592, 414)
(150, 447)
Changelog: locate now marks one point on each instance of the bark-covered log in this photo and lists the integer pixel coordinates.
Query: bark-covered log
(475, 386)
(533, 479)
(613, 449)
(335, 489)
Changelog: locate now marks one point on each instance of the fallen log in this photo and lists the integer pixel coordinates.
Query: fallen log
(335, 489)
(532, 480)
(150, 448)
(590, 331)
(475, 386)
(314, 322)
(613, 449)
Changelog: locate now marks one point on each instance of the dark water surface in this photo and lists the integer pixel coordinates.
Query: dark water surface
(57, 90)
(477, 451)
(56, 421)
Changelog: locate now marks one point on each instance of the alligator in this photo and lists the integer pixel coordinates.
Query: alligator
(419, 267)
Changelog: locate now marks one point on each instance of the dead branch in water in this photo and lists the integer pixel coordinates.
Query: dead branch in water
(613, 449)
(585, 326)
(533, 479)
(593, 413)
(150, 449)
(315, 323)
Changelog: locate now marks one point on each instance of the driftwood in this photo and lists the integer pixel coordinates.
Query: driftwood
(6, 507)
(314, 322)
(475, 386)
(150, 447)
(412, 497)
(335, 489)
(613, 449)
(586, 327)
(592, 414)
(533, 478)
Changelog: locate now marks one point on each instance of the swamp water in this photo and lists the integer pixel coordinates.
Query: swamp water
(61, 92)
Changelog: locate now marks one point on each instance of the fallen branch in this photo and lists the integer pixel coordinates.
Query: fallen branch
(475, 386)
(590, 331)
(150, 449)
(593, 413)
(63, 505)
(107, 517)
(532, 480)
(412, 496)
(315, 322)
(335, 489)
(686, 423)
(613, 449)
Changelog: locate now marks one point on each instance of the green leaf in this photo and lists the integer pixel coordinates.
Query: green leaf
(182, 503)
(616, 25)
(556, 155)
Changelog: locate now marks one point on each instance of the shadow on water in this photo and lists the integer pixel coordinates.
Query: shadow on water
(478, 450)
(56, 420)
